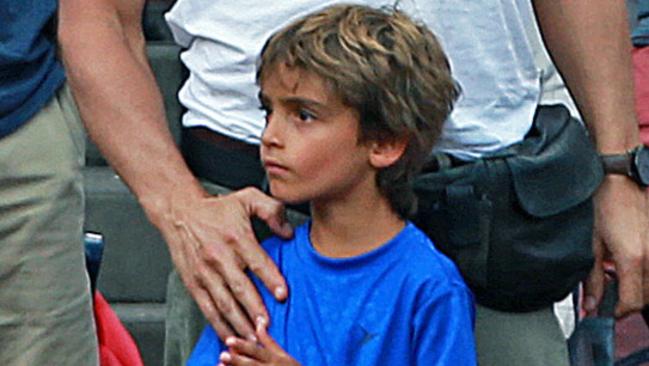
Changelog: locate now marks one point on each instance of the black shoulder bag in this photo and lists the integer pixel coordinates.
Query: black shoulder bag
(518, 222)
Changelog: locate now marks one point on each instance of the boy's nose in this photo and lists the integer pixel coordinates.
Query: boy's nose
(271, 135)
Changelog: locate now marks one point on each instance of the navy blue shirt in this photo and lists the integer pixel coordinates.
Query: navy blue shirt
(30, 74)
(403, 303)
(640, 34)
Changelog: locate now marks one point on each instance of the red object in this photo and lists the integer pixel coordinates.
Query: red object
(116, 346)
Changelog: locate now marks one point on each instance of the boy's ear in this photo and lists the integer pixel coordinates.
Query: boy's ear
(387, 152)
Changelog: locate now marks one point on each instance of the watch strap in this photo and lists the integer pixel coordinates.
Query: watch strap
(618, 163)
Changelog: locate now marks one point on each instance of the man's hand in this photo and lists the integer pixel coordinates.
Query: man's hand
(621, 225)
(212, 243)
(249, 353)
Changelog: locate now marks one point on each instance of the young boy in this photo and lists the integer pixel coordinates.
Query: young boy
(354, 99)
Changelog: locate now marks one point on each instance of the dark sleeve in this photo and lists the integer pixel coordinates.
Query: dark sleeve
(443, 328)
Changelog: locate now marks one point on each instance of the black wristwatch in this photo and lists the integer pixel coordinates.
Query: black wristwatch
(634, 164)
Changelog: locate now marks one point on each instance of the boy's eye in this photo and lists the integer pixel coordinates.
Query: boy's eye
(305, 115)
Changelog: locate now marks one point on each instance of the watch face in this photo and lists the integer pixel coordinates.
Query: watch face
(642, 165)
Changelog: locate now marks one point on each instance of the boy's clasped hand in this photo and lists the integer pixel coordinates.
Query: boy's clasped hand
(261, 352)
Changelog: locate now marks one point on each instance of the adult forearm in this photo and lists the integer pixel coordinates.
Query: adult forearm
(120, 103)
(210, 239)
(589, 43)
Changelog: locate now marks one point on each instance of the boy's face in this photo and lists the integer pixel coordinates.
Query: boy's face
(310, 146)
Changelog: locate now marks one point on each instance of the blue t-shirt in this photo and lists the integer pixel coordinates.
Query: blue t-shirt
(30, 74)
(640, 34)
(403, 303)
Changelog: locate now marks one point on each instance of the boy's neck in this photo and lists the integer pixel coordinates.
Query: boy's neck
(347, 228)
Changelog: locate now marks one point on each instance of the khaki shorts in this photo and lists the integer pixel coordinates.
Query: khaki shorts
(45, 306)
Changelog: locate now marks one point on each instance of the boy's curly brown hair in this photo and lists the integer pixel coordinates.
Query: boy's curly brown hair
(387, 67)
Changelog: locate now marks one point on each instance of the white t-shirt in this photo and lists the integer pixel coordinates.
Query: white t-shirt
(486, 41)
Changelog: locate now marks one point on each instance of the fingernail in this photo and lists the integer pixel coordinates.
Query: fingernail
(280, 292)
(252, 337)
(261, 321)
(225, 357)
(590, 303)
(230, 341)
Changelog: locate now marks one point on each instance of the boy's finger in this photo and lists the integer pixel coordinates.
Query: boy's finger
(247, 348)
(233, 359)
(265, 339)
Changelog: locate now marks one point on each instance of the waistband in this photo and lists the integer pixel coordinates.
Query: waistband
(222, 160)
(222, 141)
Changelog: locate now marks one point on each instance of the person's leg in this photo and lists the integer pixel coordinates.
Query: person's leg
(530, 339)
(45, 306)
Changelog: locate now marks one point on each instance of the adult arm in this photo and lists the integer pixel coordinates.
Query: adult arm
(590, 45)
(210, 238)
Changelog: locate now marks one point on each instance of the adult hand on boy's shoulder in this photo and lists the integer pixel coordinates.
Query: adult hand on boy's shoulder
(212, 244)
(267, 352)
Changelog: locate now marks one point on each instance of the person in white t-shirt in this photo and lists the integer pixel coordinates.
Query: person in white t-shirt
(210, 237)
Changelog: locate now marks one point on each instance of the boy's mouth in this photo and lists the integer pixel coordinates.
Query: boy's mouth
(273, 167)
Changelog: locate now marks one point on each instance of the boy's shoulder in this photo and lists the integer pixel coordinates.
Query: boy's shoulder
(274, 245)
(431, 280)
(424, 263)
(416, 253)
(413, 255)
